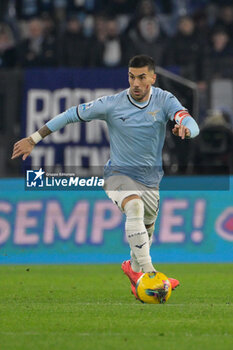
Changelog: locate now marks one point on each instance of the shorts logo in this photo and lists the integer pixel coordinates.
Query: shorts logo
(35, 178)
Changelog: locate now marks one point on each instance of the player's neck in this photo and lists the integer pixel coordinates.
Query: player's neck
(140, 103)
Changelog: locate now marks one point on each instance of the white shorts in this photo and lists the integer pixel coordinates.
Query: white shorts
(118, 187)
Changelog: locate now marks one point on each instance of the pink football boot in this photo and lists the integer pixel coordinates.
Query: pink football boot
(174, 283)
(132, 275)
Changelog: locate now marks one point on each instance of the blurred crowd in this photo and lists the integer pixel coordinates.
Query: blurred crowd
(192, 37)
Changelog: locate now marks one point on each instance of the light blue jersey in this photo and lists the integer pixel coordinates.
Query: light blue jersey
(136, 131)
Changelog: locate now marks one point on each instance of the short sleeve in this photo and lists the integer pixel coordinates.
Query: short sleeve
(171, 106)
(96, 109)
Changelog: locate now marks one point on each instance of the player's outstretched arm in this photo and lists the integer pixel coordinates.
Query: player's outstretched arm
(25, 146)
(71, 115)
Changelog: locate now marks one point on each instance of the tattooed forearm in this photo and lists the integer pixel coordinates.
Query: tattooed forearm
(44, 131)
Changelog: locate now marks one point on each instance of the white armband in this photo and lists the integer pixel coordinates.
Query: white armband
(36, 137)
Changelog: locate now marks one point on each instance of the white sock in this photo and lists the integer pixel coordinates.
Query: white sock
(134, 263)
(150, 232)
(137, 234)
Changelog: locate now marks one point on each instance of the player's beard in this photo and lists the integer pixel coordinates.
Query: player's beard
(138, 94)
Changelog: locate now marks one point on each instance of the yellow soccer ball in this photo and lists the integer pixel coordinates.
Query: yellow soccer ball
(153, 288)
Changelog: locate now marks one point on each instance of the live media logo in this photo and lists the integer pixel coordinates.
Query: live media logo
(37, 180)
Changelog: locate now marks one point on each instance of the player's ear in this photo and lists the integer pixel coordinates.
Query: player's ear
(154, 78)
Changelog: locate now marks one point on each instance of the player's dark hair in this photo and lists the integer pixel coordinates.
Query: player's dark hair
(140, 61)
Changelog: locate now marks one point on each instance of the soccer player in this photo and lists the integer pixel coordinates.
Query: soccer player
(136, 120)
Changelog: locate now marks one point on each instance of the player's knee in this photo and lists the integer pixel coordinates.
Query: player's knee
(150, 225)
(129, 198)
(134, 209)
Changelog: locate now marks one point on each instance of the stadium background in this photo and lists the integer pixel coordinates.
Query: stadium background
(54, 54)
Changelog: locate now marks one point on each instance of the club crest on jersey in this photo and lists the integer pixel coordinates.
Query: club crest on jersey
(153, 114)
(86, 106)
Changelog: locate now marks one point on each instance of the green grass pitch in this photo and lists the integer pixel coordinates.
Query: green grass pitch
(90, 307)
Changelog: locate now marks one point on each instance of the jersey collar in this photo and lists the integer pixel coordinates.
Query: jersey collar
(140, 105)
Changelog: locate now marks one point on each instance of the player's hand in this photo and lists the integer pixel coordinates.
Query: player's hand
(181, 131)
(23, 148)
